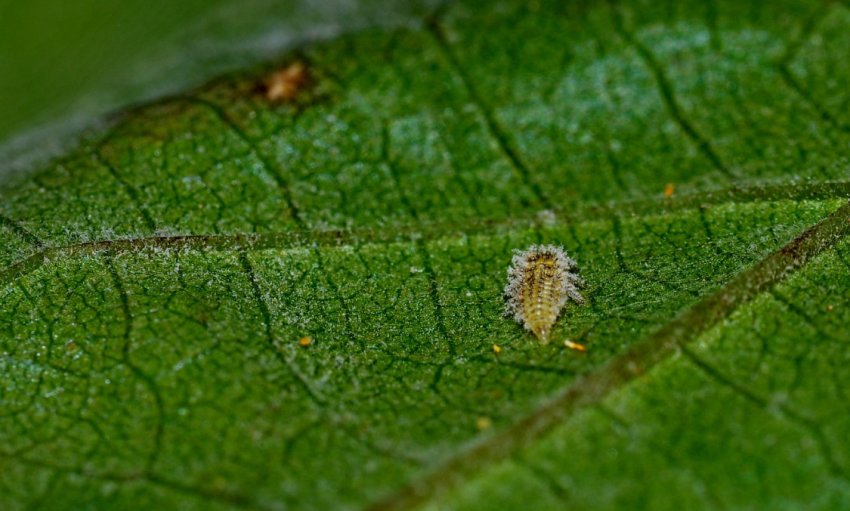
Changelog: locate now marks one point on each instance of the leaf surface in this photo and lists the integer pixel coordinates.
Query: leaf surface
(224, 302)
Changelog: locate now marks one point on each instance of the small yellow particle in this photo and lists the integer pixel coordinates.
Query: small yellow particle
(668, 190)
(483, 423)
(497, 349)
(574, 345)
(305, 341)
(829, 308)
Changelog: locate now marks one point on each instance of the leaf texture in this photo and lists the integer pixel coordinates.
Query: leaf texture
(160, 277)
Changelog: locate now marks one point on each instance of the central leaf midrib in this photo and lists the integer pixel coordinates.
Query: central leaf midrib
(433, 231)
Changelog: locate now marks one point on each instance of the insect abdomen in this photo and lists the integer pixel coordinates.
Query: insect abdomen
(541, 297)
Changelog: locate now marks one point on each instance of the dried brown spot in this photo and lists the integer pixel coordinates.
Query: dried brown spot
(285, 84)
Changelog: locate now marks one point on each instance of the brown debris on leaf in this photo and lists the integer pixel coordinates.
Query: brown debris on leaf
(284, 84)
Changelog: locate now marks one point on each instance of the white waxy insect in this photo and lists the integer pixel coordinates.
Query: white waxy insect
(540, 281)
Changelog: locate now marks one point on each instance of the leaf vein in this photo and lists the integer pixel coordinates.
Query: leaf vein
(636, 361)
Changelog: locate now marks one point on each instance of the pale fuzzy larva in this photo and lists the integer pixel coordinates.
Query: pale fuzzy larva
(540, 281)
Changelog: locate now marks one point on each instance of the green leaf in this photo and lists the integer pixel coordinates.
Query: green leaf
(754, 413)
(224, 302)
(65, 64)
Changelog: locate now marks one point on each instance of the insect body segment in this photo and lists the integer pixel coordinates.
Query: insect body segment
(540, 281)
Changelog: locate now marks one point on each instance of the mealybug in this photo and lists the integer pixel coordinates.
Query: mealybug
(540, 280)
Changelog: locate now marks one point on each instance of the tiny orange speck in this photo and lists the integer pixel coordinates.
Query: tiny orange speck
(497, 349)
(669, 189)
(574, 345)
(305, 341)
(483, 423)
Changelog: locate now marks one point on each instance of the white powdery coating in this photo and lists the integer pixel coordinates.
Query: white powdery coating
(570, 281)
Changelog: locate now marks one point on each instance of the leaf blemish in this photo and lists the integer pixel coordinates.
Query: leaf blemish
(483, 423)
(284, 84)
(540, 281)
